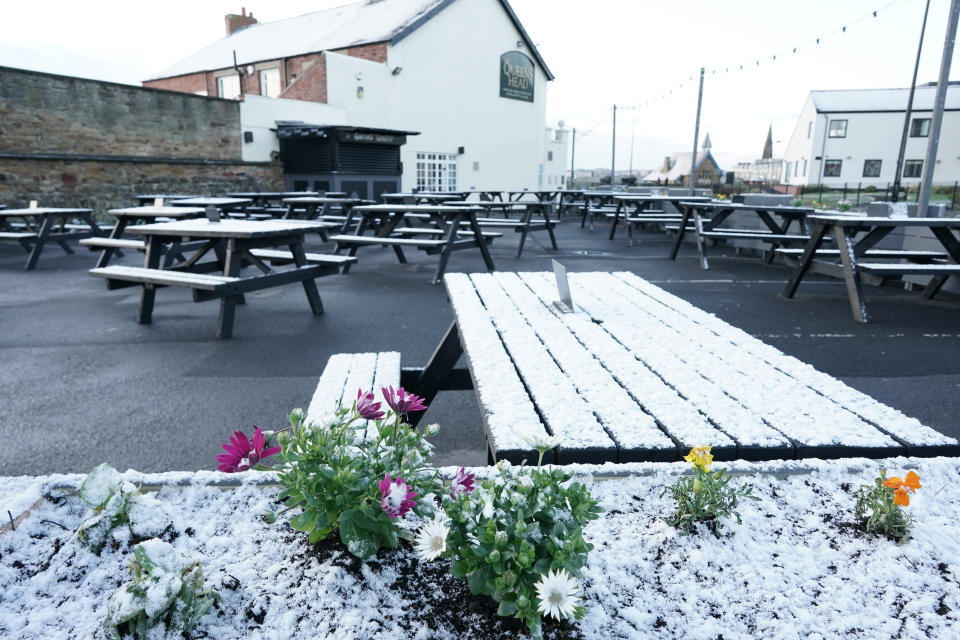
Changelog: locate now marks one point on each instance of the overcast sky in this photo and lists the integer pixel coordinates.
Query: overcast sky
(602, 52)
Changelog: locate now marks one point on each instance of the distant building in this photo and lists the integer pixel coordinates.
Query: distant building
(463, 73)
(676, 168)
(766, 169)
(853, 136)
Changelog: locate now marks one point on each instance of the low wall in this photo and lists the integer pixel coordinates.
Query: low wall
(102, 185)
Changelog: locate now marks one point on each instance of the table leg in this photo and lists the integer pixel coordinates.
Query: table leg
(482, 243)
(525, 223)
(616, 218)
(950, 243)
(849, 260)
(448, 247)
(553, 238)
(228, 304)
(309, 285)
(685, 209)
(117, 232)
(149, 293)
(42, 236)
(701, 241)
(440, 364)
(819, 231)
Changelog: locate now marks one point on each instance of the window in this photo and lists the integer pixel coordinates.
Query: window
(804, 167)
(549, 156)
(796, 168)
(838, 129)
(436, 172)
(809, 129)
(270, 83)
(228, 87)
(913, 168)
(871, 168)
(789, 169)
(920, 128)
(831, 168)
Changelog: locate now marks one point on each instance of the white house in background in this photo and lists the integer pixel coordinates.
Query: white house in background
(463, 73)
(853, 136)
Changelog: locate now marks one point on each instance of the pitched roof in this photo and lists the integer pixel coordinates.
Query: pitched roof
(680, 166)
(854, 100)
(337, 28)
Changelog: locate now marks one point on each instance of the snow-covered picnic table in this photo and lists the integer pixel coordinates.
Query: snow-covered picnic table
(637, 374)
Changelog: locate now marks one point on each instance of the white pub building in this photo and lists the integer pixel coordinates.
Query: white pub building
(853, 136)
(463, 75)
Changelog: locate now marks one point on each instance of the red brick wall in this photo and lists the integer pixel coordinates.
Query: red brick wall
(306, 78)
(303, 77)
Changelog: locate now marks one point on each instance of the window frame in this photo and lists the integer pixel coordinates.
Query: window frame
(831, 133)
(879, 166)
(232, 78)
(279, 87)
(436, 172)
(831, 163)
(910, 164)
(921, 131)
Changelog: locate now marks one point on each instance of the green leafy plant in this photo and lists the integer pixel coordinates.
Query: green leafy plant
(843, 205)
(361, 474)
(166, 591)
(112, 502)
(706, 496)
(878, 507)
(796, 202)
(518, 539)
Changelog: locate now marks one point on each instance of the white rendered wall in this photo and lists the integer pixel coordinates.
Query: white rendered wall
(259, 115)
(346, 75)
(449, 90)
(870, 136)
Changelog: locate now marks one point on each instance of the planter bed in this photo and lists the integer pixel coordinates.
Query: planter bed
(797, 567)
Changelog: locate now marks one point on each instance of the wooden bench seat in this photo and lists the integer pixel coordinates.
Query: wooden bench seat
(894, 268)
(280, 256)
(433, 231)
(403, 242)
(738, 234)
(16, 235)
(85, 227)
(164, 277)
(344, 374)
(871, 253)
(97, 243)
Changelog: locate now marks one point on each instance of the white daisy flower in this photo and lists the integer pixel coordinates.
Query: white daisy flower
(544, 442)
(557, 592)
(432, 540)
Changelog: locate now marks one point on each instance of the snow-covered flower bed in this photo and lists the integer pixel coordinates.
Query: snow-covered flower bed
(797, 567)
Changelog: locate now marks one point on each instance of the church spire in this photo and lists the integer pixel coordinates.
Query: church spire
(768, 145)
(706, 142)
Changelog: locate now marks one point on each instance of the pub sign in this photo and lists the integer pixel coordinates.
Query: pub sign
(516, 76)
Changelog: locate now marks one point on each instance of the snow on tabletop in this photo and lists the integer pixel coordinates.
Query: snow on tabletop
(508, 412)
(795, 568)
(904, 427)
(565, 411)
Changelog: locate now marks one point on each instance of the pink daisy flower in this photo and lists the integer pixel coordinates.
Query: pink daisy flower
(241, 454)
(396, 497)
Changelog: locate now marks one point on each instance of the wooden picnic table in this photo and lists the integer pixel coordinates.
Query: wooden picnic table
(643, 203)
(420, 198)
(268, 198)
(524, 225)
(635, 373)
(542, 195)
(223, 204)
(150, 198)
(40, 226)
(229, 243)
(384, 219)
(319, 208)
(707, 216)
(116, 242)
(859, 261)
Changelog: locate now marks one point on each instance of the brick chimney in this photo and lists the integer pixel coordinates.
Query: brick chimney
(236, 22)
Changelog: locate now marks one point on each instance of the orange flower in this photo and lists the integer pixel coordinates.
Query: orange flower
(903, 487)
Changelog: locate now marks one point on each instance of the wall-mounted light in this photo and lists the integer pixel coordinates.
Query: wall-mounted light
(248, 136)
(396, 71)
(460, 150)
(359, 75)
(249, 69)
(519, 44)
(360, 92)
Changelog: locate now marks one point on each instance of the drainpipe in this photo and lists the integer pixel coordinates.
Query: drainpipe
(239, 72)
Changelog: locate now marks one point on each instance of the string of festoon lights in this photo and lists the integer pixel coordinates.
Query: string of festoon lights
(757, 61)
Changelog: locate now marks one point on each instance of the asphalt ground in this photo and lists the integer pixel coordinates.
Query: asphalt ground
(83, 383)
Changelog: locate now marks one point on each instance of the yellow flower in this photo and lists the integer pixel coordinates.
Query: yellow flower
(700, 457)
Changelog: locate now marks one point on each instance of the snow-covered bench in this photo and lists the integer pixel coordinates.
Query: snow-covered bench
(344, 374)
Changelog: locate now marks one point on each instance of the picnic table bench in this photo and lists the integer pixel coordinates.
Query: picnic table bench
(344, 374)
(231, 243)
(843, 229)
(42, 224)
(384, 220)
(635, 373)
(525, 225)
(116, 242)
